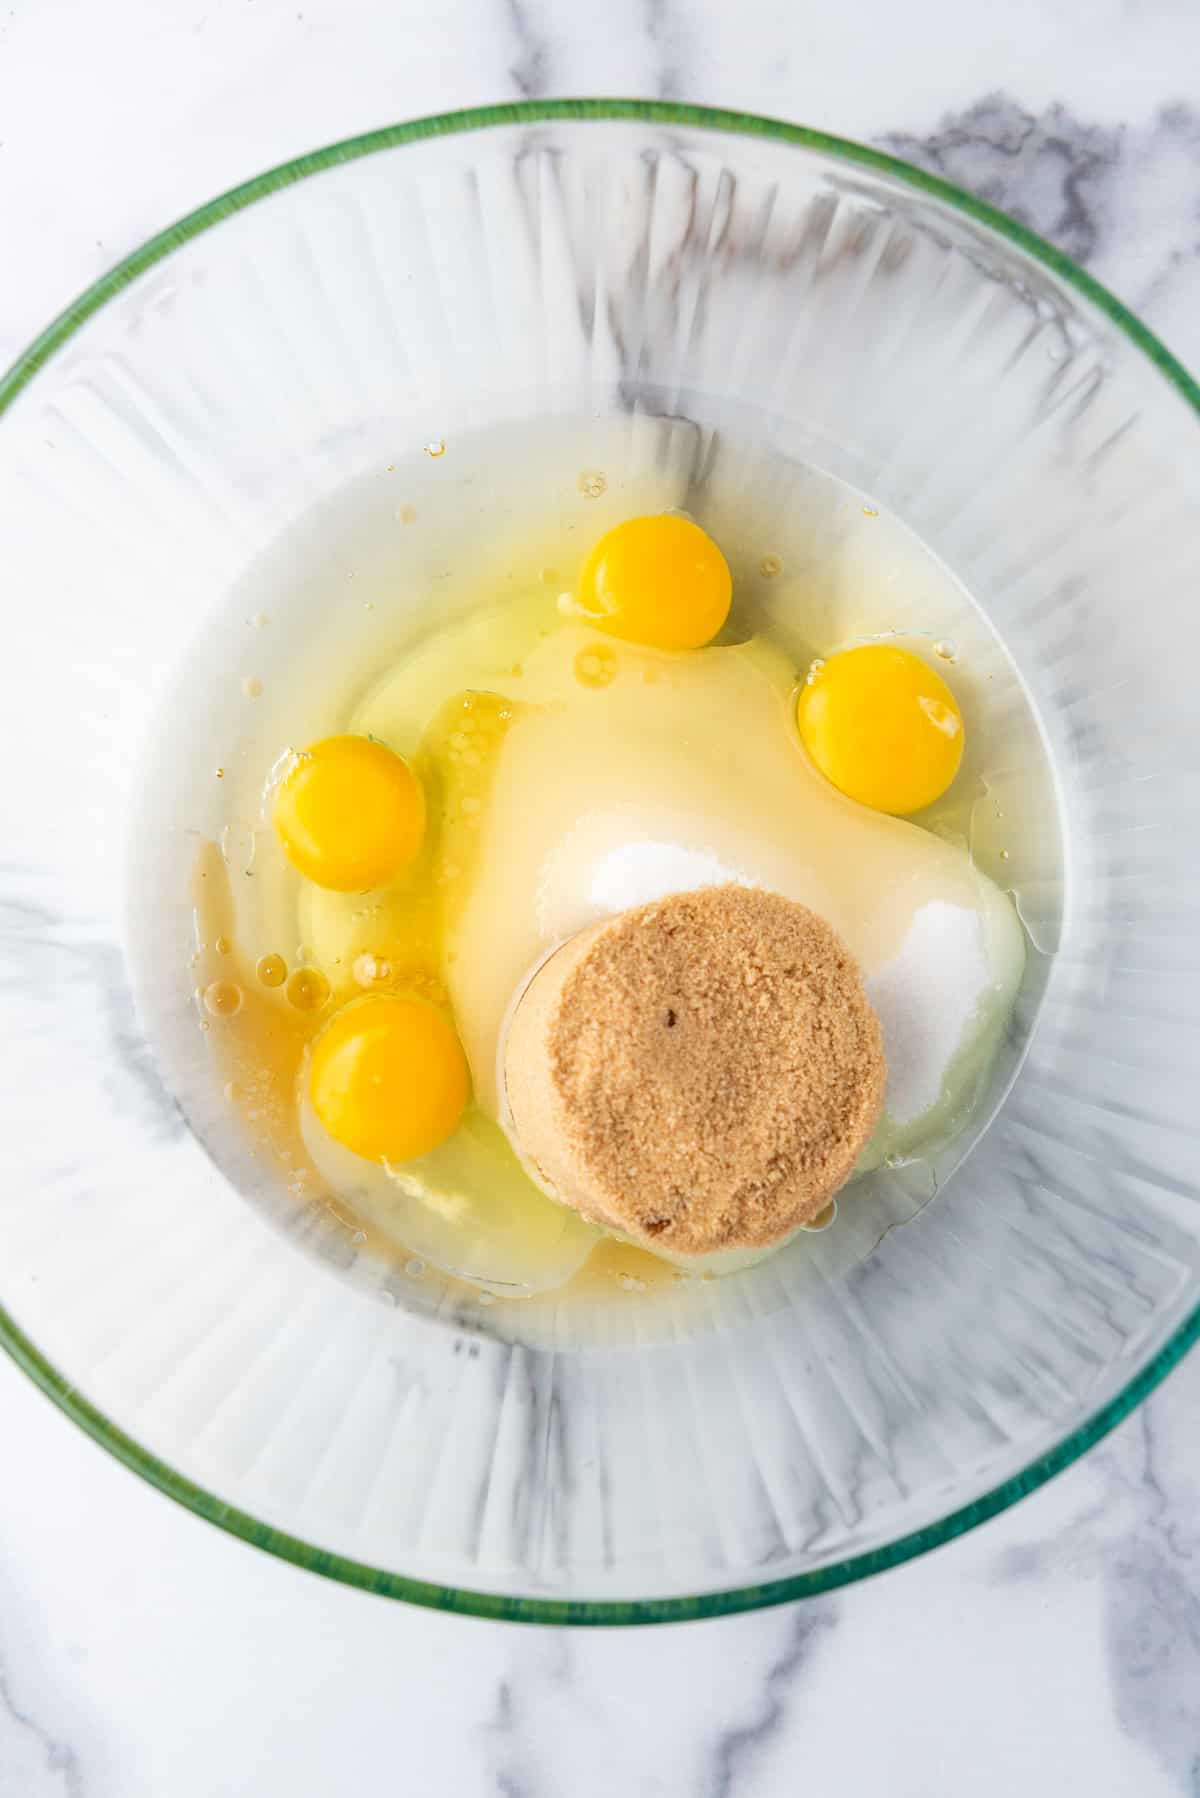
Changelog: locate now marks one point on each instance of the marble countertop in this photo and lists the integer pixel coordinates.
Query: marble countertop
(1054, 1651)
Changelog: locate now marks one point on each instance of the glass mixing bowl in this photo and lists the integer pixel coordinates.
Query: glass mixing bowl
(851, 1405)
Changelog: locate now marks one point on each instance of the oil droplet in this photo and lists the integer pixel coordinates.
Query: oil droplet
(260, 621)
(272, 970)
(223, 999)
(414, 1267)
(307, 989)
(1004, 855)
(769, 567)
(945, 649)
(870, 511)
(407, 514)
(595, 665)
(222, 945)
(391, 468)
(252, 687)
(436, 448)
(220, 773)
(372, 970)
(229, 1091)
(592, 483)
(549, 577)
(814, 668)
(823, 1219)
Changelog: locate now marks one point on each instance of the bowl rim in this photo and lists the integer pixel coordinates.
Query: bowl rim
(491, 1604)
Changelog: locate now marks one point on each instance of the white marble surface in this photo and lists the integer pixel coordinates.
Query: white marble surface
(1055, 1651)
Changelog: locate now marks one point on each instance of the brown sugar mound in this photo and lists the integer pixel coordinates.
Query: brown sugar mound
(701, 1073)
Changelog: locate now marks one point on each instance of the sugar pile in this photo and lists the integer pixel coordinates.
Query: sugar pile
(926, 997)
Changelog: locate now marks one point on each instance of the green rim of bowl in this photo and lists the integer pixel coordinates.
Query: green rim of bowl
(358, 1573)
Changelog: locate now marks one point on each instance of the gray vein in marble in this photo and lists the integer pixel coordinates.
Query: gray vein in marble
(506, 1785)
(508, 1752)
(1155, 229)
(48, 950)
(668, 40)
(131, 1050)
(1137, 1539)
(529, 68)
(41, 1747)
(1051, 172)
(1122, 199)
(736, 1750)
(1152, 1612)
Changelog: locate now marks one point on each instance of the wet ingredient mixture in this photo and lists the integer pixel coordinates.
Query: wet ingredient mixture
(491, 850)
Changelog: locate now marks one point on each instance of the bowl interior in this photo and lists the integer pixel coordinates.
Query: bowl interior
(686, 287)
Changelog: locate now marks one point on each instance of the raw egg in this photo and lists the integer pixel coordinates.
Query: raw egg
(388, 1078)
(660, 581)
(882, 727)
(349, 813)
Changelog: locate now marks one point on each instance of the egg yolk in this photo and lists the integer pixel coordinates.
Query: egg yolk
(350, 814)
(882, 727)
(388, 1078)
(660, 581)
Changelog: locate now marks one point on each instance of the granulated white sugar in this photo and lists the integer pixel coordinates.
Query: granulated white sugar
(925, 998)
(638, 873)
